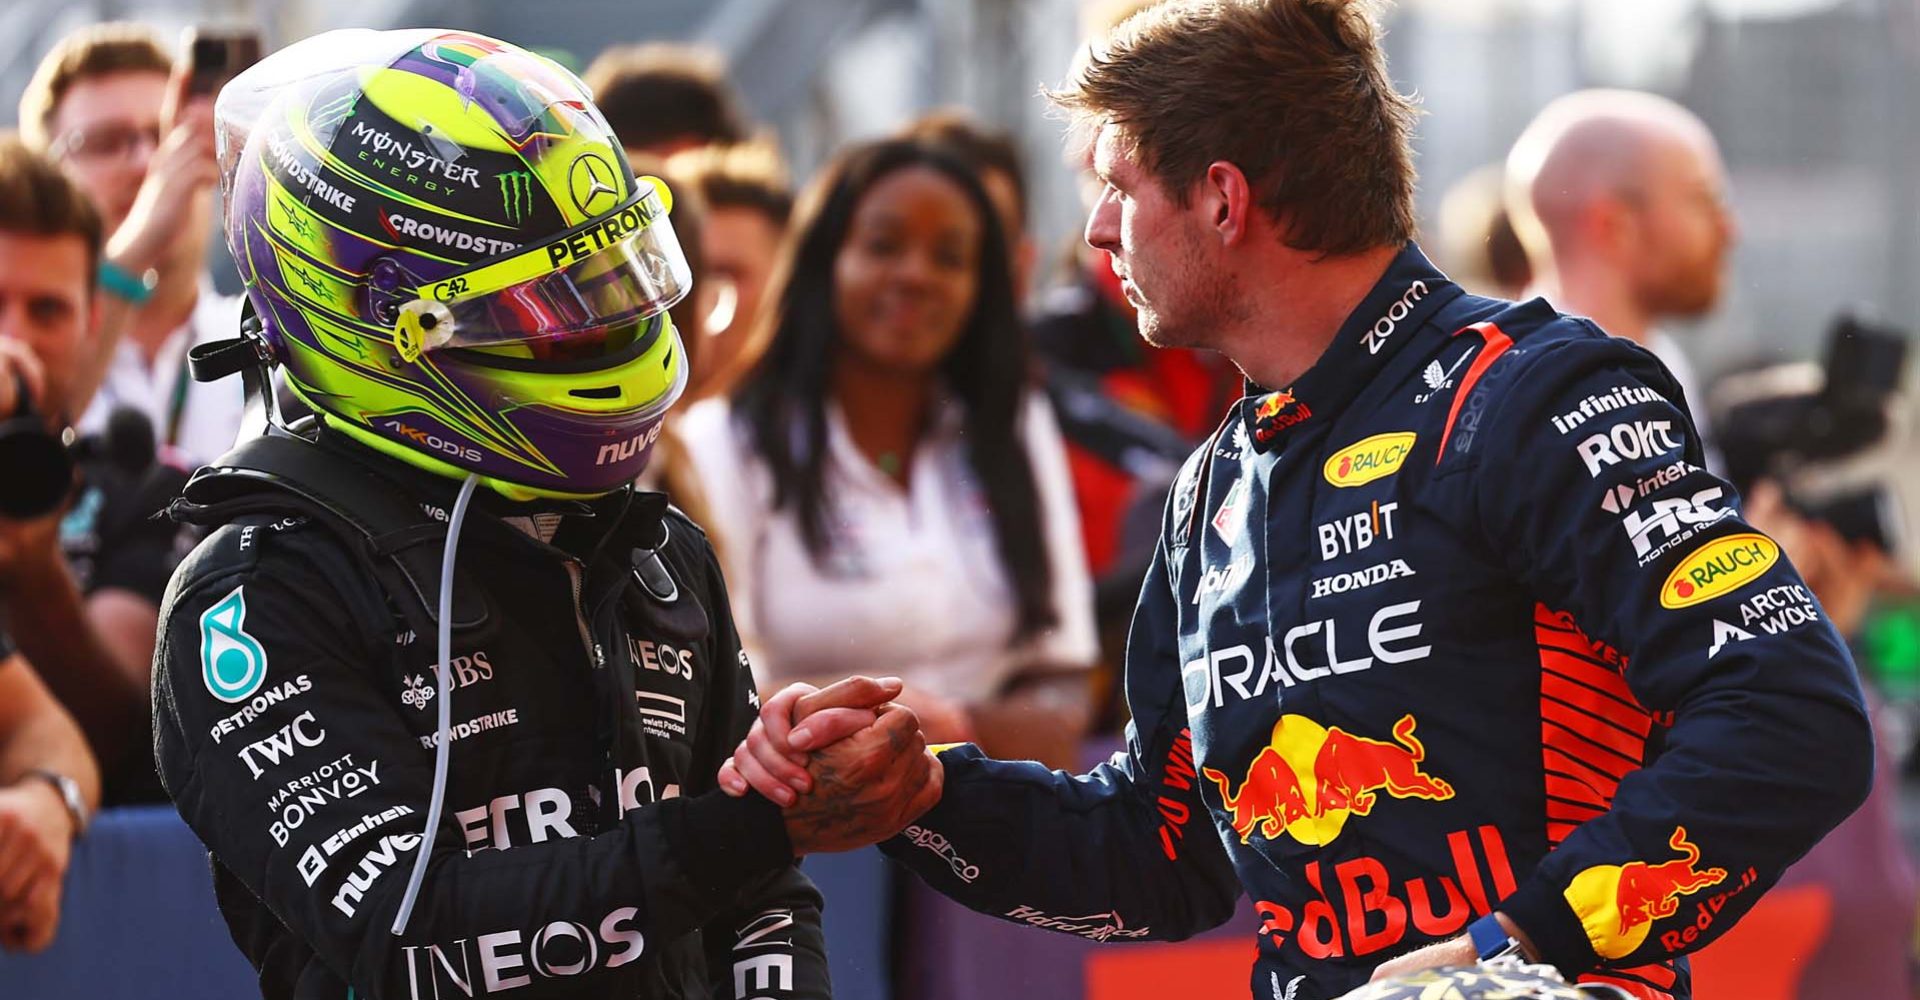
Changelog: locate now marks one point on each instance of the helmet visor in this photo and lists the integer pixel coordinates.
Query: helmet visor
(570, 294)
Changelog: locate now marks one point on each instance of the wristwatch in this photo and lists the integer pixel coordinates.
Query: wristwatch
(1491, 940)
(69, 790)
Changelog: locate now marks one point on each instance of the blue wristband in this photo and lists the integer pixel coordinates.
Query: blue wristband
(133, 289)
(1490, 940)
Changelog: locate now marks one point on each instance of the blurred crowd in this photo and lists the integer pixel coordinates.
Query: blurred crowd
(923, 444)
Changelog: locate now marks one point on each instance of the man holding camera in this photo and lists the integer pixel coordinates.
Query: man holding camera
(49, 238)
(110, 105)
(80, 585)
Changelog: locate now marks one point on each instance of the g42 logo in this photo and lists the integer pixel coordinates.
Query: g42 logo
(446, 290)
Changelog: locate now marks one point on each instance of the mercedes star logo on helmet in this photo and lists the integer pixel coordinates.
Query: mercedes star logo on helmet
(591, 181)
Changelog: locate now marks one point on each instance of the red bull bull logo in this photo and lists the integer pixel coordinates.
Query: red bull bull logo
(1619, 903)
(1309, 779)
(1276, 413)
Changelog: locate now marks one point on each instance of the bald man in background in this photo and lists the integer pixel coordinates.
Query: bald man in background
(1619, 198)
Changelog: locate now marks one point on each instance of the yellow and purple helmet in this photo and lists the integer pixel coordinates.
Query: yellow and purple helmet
(451, 258)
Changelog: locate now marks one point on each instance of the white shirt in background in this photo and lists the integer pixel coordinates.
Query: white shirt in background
(208, 412)
(913, 585)
(1665, 347)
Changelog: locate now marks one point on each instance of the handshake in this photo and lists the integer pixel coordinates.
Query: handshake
(848, 767)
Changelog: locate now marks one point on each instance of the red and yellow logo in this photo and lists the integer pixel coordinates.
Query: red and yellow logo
(1308, 779)
(1373, 458)
(1719, 567)
(1617, 904)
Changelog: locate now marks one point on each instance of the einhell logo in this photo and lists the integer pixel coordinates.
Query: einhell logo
(1374, 458)
(1719, 567)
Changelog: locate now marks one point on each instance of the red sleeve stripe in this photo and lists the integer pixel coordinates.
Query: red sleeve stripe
(1497, 344)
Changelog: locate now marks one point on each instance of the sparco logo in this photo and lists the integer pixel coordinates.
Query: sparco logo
(926, 839)
(622, 450)
(300, 798)
(1098, 927)
(1361, 579)
(451, 449)
(284, 743)
(1397, 313)
(508, 960)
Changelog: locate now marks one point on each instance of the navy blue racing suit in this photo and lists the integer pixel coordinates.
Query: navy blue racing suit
(1458, 623)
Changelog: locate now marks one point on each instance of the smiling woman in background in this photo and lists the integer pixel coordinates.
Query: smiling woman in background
(890, 490)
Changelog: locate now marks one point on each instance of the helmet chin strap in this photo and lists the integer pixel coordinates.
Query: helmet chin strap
(443, 674)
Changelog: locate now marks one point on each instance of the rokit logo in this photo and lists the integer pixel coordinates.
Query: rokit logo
(1638, 439)
(467, 671)
(1207, 679)
(509, 960)
(299, 799)
(1343, 583)
(1217, 580)
(261, 702)
(282, 744)
(313, 863)
(1671, 522)
(372, 865)
(1383, 328)
(1350, 534)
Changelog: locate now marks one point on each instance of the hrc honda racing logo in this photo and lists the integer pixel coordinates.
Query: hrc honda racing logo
(1096, 927)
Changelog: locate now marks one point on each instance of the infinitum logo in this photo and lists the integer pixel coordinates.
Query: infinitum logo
(516, 195)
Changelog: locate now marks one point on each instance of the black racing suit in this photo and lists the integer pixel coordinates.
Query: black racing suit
(583, 850)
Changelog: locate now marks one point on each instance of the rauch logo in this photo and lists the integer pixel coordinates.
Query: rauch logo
(1717, 568)
(1373, 458)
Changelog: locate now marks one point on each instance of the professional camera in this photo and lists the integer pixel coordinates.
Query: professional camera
(39, 464)
(1833, 435)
